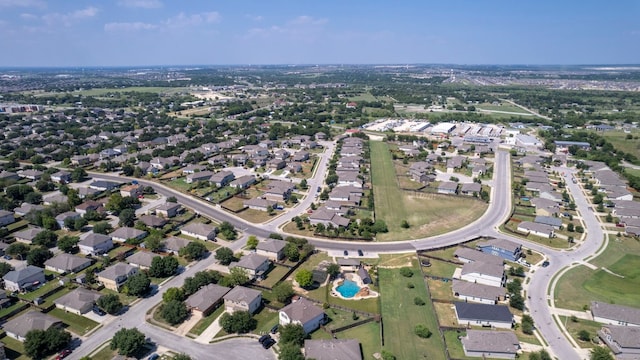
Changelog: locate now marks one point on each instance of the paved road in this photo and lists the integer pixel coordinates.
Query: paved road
(498, 211)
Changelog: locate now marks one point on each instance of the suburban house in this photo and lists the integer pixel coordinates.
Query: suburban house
(123, 234)
(66, 263)
(243, 182)
(6, 217)
(141, 259)
(271, 248)
(491, 274)
(199, 176)
(475, 292)
(173, 244)
(133, 190)
(506, 249)
(222, 178)
(19, 326)
(241, 298)
(259, 204)
(624, 341)
(200, 231)
(548, 220)
(89, 205)
(153, 221)
(253, 264)
(467, 255)
(469, 314)
(61, 177)
(448, 187)
(27, 235)
(470, 189)
(60, 219)
(279, 190)
(615, 314)
(168, 209)
(104, 185)
(332, 349)
(30, 174)
(532, 228)
(348, 264)
(78, 301)
(491, 344)
(95, 244)
(24, 279)
(25, 208)
(116, 275)
(545, 207)
(207, 298)
(328, 217)
(302, 312)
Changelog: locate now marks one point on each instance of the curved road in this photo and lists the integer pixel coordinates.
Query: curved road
(498, 211)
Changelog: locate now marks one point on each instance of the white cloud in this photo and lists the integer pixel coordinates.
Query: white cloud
(302, 27)
(254, 17)
(145, 4)
(307, 20)
(23, 3)
(128, 26)
(68, 18)
(27, 16)
(183, 20)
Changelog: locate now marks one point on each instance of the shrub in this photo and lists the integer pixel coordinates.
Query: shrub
(410, 285)
(406, 272)
(422, 331)
(418, 301)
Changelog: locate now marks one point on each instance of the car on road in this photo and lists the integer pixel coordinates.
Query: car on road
(268, 343)
(346, 253)
(274, 329)
(545, 263)
(264, 338)
(360, 252)
(63, 354)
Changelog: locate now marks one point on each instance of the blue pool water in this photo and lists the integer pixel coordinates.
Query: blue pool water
(348, 289)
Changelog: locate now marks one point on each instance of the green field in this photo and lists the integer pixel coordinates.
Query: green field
(400, 316)
(619, 140)
(369, 337)
(148, 89)
(581, 285)
(363, 97)
(432, 215)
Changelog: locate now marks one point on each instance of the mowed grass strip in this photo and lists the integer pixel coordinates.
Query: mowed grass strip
(400, 316)
(581, 285)
(387, 196)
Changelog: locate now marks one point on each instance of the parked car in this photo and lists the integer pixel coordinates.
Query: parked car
(98, 311)
(346, 253)
(268, 343)
(154, 356)
(63, 354)
(264, 338)
(7, 257)
(274, 329)
(360, 253)
(545, 263)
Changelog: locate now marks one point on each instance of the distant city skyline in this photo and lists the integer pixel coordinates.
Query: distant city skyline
(58, 33)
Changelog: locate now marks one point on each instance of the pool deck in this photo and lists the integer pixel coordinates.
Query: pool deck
(355, 278)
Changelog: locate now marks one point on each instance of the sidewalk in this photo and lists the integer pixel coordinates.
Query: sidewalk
(210, 332)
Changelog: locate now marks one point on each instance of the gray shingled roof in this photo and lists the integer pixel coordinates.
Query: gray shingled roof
(78, 298)
(67, 262)
(17, 276)
(475, 255)
(206, 296)
(32, 320)
(302, 310)
(127, 233)
(491, 269)
(93, 239)
(485, 312)
(491, 341)
(271, 245)
(28, 234)
(241, 293)
(466, 288)
(333, 349)
(113, 271)
(141, 258)
(616, 312)
(621, 336)
(251, 261)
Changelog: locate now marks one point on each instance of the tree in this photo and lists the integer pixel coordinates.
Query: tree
(252, 242)
(303, 184)
(291, 252)
(163, 266)
(200, 279)
(283, 291)
(172, 199)
(293, 334)
(110, 303)
(570, 227)
(5, 268)
(406, 272)
(102, 227)
(174, 312)
(18, 249)
(404, 224)
(418, 301)
(239, 322)
(41, 343)
(46, 238)
(422, 331)
(225, 255)
(516, 301)
(92, 215)
(600, 353)
(579, 229)
(288, 351)
(517, 271)
(127, 217)
(38, 256)
(68, 244)
(527, 324)
(304, 278)
(78, 174)
(137, 284)
(237, 276)
(153, 242)
(584, 335)
(386, 355)
(333, 270)
(173, 293)
(128, 341)
(193, 251)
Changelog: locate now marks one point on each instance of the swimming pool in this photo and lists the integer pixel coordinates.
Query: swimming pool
(348, 289)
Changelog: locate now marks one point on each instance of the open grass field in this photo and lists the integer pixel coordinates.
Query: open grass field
(363, 97)
(581, 285)
(618, 139)
(369, 337)
(77, 324)
(147, 89)
(400, 316)
(574, 327)
(427, 216)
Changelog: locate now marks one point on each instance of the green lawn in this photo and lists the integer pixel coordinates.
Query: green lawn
(148, 89)
(274, 276)
(104, 354)
(40, 291)
(369, 337)
(427, 215)
(266, 319)
(77, 324)
(400, 316)
(13, 348)
(619, 141)
(339, 318)
(574, 327)
(581, 285)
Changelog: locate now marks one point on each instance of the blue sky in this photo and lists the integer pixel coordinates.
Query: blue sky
(174, 32)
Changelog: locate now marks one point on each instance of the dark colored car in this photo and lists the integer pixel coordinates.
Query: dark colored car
(346, 253)
(360, 253)
(545, 264)
(264, 338)
(154, 356)
(63, 354)
(99, 311)
(274, 329)
(268, 343)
